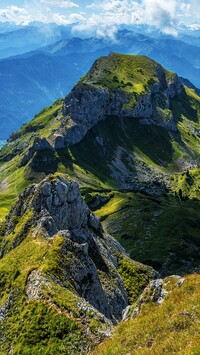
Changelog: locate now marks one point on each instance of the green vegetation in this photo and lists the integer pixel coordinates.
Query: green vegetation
(40, 329)
(132, 74)
(50, 320)
(135, 276)
(14, 179)
(172, 327)
(160, 232)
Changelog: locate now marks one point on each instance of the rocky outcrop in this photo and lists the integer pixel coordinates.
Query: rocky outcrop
(88, 258)
(154, 292)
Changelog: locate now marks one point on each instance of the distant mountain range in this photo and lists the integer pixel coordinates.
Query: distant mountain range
(34, 79)
(22, 39)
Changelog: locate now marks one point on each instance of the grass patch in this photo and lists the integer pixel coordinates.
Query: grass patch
(172, 327)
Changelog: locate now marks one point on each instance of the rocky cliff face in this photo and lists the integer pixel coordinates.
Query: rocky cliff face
(89, 103)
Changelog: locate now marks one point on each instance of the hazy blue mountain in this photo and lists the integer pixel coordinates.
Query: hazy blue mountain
(22, 39)
(32, 83)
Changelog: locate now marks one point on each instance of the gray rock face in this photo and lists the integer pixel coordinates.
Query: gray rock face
(171, 124)
(174, 86)
(89, 258)
(59, 206)
(86, 105)
(91, 267)
(5, 307)
(154, 292)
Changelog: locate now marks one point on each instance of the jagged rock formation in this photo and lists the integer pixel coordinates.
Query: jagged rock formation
(144, 94)
(65, 266)
(101, 94)
(59, 210)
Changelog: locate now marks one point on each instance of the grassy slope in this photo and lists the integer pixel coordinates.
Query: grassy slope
(13, 179)
(162, 232)
(172, 327)
(37, 323)
(127, 72)
(52, 322)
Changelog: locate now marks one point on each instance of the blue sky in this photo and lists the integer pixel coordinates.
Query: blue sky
(105, 15)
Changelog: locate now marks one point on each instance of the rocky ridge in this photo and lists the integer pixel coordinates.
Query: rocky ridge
(57, 209)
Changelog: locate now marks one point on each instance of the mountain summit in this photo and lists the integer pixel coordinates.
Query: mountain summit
(123, 86)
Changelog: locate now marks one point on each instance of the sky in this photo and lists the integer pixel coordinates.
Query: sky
(105, 16)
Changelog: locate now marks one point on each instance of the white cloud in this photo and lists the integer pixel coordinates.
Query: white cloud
(191, 9)
(194, 27)
(59, 3)
(160, 13)
(15, 14)
(185, 9)
(37, 11)
(108, 15)
(104, 17)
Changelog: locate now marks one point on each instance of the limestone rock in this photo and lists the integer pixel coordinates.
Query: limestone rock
(158, 293)
(88, 258)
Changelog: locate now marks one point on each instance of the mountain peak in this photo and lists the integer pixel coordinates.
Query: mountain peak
(117, 85)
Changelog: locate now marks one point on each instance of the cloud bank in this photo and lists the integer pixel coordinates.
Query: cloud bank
(104, 17)
(109, 14)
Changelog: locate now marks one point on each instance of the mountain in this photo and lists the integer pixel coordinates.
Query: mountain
(117, 160)
(129, 132)
(35, 79)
